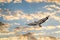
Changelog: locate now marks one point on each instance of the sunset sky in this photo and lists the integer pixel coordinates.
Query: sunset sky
(18, 13)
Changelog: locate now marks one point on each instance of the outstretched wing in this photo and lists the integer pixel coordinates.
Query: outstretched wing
(32, 24)
(43, 20)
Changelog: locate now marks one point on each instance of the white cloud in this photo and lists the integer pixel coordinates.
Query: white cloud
(53, 15)
(49, 9)
(17, 1)
(56, 18)
(11, 17)
(56, 32)
(50, 27)
(17, 23)
(52, 7)
(30, 1)
(58, 26)
(18, 14)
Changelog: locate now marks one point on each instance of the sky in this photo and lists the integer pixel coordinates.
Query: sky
(18, 13)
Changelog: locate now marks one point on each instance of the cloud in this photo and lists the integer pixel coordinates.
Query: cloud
(10, 38)
(17, 1)
(5, 1)
(49, 9)
(50, 27)
(52, 7)
(46, 28)
(47, 38)
(56, 32)
(9, 1)
(58, 26)
(26, 29)
(56, 1)
(29, 1)
(4, 28)
(41, 33)
(18, 14)
(11, 17)
(53, 15)
(56, 18)
(2, 0)
(29, 37)
(37, 1)
(17, 23)
(8, 33)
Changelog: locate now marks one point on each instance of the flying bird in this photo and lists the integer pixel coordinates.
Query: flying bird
(39, 22)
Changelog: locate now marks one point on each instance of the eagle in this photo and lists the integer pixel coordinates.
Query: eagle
(39, 22)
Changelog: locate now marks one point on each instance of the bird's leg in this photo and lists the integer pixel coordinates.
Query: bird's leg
(40, 25)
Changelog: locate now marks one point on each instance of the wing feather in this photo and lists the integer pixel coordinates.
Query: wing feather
(43, 20)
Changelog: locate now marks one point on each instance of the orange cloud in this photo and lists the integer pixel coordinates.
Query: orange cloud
(8, 1)
(2, 0)
(5, 1)
(37, 1)
(18, 14)
(11, 17)
(30, 1)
